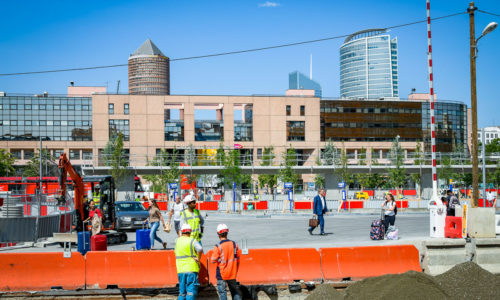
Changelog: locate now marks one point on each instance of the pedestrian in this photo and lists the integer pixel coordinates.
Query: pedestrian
(176, 210)
(388, 206)
(319, 209)
(154, 220)
(187, 261)
(452, 203)
(95, 216)
(227, 257)
(192, 216)
(490, 196)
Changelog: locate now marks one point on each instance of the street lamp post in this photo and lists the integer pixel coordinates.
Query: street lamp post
(473, 52)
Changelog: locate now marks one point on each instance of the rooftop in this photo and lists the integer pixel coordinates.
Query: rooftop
(147, 48)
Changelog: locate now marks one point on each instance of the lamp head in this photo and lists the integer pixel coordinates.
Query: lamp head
(489, 28)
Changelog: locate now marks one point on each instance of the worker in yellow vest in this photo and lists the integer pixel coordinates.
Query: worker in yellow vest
(97, 196)
(187, 261)
(193, 217)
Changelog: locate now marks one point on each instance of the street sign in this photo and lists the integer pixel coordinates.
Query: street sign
(344, 196)
(172, 186)
(290, 195)
(341, 185)
(288, 185)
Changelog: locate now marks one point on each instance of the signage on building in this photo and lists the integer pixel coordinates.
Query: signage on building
(238, 146)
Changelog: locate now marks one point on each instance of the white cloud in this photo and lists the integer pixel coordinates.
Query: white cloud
(269, 4)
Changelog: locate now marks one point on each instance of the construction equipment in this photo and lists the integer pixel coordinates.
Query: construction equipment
(106, 203)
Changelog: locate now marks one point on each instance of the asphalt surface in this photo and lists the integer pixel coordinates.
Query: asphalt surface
(287, 231)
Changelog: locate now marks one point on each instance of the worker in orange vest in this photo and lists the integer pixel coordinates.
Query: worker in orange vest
(227, 257)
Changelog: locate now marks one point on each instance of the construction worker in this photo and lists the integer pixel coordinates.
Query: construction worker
(193, 217)
(187, 261)
(97, 195)
(227, 257)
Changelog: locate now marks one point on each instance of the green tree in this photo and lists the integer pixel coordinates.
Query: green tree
(231, 172)
(169, 175)
(267, 180)
(445, 171)
(319, 181)
(330, 153)
(375, 156)
(363, 180)
(6, 163)
(362, 156)
(397, 174)
(220, 157)
(287, 174)
(49, 165)
(342, 168)
(418, 160)
(118, 161)
(493, 146)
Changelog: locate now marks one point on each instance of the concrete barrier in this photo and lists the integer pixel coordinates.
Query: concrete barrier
(497, 224)
(481, 222)
(487, 254)
(442, 254)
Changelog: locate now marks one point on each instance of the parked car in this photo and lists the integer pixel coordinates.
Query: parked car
(130, 215)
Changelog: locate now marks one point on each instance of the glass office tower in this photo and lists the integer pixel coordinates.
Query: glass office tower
(369, 65)
(299, 81)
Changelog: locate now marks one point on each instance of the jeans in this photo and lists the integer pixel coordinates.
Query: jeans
(233, 288)
(321, 224)
(389, 220)
(152, 235)
(188, 286)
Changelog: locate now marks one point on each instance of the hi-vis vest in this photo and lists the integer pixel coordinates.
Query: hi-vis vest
(185, 254)
(97, 198)
(193, 219)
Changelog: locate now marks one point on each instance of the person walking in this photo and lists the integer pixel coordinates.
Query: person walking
(95, 217)
(193, 217)
(227, 257)
(491, 197)
(389, 206)
(154, 220)
(176, 210)
(452, 203)
(187, 261)
(319, 209)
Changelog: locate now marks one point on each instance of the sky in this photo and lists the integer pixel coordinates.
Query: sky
(47, 35)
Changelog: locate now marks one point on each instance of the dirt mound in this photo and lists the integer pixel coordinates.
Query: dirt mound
(409, 285)
(325, 291)
(470, 281)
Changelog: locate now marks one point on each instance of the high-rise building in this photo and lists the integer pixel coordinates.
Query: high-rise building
(299, 81)
(369, 65)
(148, 71)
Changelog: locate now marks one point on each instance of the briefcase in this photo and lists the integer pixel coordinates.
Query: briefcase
(314, 222)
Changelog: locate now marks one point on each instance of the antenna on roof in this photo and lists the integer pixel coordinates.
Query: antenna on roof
(118, 87)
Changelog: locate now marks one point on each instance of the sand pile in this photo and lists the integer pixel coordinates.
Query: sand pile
(470, 281)
(325, 291)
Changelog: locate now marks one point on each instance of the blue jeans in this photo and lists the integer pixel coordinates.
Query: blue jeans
(233, 288)
(152, 235)
(321, 224)
(188, 286)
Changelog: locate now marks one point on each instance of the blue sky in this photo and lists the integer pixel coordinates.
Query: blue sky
(42, 35)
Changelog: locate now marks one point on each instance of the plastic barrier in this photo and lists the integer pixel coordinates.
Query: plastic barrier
(163, 205)
(135, 269)
(303, 205)
(409, 192)
(271, 266)
(362, 262)
(485, 203)
(453, 227)
(208, 205)
(41, 271)
(353, 204)
(217, 197)
(262, 205)
(402, 204)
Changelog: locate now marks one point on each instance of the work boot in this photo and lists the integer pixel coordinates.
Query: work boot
(310, 231)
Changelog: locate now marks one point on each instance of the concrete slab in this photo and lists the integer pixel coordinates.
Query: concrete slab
(487, 254)
(481, 222)
(442, 254)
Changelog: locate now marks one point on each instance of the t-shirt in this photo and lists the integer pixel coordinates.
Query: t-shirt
(388, 205)
(177, 211)
(92, 212)
(154, 214)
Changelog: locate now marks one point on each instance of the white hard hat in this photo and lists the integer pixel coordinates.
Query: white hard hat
(186, 228)
(221, 228)
(188, 198)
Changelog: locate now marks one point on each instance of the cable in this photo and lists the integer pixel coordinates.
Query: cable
(489, 13)
(227, 53)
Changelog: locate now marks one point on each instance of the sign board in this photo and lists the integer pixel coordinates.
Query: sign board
(451, 187)
(172, 186)
(290, 195)
(465, 210)
(238, 146)
(288, 185)
(341, 185)
(344, 196)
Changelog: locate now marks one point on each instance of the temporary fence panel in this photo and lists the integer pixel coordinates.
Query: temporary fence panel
(41, 271)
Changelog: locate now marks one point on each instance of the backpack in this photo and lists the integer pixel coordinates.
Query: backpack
(395, 208)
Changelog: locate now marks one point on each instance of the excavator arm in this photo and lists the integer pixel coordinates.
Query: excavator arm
(66, 168)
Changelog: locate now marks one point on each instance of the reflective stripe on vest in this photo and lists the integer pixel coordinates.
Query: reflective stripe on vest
(235, 255)
(185, 255)
(193, 219)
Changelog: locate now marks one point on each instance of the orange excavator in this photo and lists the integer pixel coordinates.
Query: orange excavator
(107, 202)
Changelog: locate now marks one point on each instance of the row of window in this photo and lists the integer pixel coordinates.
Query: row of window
(76, 107)
(289, 110)
(75, 154)
(111, 108)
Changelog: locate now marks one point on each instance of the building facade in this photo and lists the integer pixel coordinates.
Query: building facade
(299, 81)
(369, 66)
(490, 133)
(148, 71)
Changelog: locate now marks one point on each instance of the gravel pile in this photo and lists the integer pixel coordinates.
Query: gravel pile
(470, 281)
(325, 291)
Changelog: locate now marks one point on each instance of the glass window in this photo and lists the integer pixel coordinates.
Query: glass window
(74, 154)
(111, 109)
(302, 110)
(288, 110)
(295, 130)
(28, 153)
(259, 153)
(125, 109)
(119, 126)
(16, 153)
(87, 154)
(58, 152)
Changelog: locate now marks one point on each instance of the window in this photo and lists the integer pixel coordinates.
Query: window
(125, 109)
(28, 154)
(302, 110)
(119, 126)
(74, 154)
(58, 152)
(87, 154)
(295, 131)
(16, 153)
(288, 110)
(111, 109)
(259, 153)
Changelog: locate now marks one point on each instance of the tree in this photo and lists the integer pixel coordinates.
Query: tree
(265, 180)
(397, 174)
(362, 156)
(493, 146)
(342, 168)
(118, 161)
(419, 161)
(445, 171)
(330, 154)
(191, 158)
(169, 175)
(319, 181)
(375, 156)
(6, 163)
(49, 165)
(231, 173)
(287, 174)
(220, 157)
(363, 179)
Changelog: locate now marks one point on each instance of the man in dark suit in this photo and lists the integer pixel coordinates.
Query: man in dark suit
(319, 209)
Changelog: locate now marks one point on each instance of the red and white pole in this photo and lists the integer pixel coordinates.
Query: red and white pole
(432, 102)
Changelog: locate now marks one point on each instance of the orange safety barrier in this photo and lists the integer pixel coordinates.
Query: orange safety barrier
(402, 204)
(453, 227)
(271, 266)
(207, 205)
(261, 205)
(484, 203)
(353, 204)
(362, 262)
(303, 205)
(135, 269)
(41, 271)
